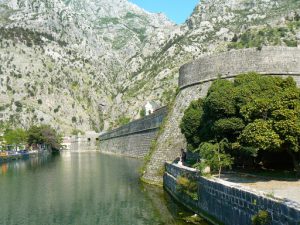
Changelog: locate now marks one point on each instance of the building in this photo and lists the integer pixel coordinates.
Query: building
(151, 107)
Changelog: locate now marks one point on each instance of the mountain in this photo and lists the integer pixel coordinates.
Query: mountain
(216, 26)
(64, 62)
(83, 65)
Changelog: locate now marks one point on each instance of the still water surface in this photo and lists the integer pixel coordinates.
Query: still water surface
(81, 188)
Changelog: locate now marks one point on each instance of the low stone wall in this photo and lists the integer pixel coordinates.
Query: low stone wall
(223, 202)
(133, 139)
(195, 79)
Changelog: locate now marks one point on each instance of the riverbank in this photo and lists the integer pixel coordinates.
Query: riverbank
(6, 156)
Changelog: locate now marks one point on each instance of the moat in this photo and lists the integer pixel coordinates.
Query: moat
(82, 188)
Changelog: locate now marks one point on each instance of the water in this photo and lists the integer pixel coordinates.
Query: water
(81, 188)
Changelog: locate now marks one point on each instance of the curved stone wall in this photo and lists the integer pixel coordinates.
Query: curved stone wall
(133, 139)
(194, 81)
(269, 60)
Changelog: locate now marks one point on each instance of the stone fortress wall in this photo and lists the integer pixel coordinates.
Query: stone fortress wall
(133, 139)
(223, 202)
(195, 79)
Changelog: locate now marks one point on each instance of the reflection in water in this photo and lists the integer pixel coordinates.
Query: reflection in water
(80, 188)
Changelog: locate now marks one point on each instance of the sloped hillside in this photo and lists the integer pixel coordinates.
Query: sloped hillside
(63, 62)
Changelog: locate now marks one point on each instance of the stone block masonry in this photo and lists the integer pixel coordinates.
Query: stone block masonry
(281, 61)
(195, 79)
(223, 202)
(133, 139)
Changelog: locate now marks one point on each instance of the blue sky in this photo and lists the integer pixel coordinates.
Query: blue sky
(176, 10)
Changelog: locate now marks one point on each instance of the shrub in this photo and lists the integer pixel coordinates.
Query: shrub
(122, 121)
(40, 101)
(57, 109)
(74, 120)
(187, 186)
(18, 104)
(261, 218)
(142, 113)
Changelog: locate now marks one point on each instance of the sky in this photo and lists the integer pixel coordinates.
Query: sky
(176, 10)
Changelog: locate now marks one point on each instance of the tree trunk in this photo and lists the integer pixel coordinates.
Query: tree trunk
(220, 168)
(295, 161)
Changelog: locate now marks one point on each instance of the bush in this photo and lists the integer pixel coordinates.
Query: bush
(142, 113)
(18, 104)
(74, 120)
(123, 120)
(40, 101)
(187, 186)
(261, 218)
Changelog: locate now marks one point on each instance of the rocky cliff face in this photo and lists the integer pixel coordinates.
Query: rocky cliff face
(215, 26)
(84, 64)
(65, 62)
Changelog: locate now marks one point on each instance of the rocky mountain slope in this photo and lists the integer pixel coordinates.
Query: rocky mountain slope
(216, 26)
(64, 62)
(89, 64)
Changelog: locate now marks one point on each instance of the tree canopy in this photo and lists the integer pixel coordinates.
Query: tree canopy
(261, 113)
(42, 134)
(15, 137)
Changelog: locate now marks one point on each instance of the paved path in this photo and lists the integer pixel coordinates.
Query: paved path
(289, 189)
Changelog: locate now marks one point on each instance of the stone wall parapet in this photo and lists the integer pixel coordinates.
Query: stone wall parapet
(268, 61)
(133, 139)
(150, 122)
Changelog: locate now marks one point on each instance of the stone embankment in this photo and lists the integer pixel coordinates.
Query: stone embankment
(133, 139)
(223, 202)
(195, 79)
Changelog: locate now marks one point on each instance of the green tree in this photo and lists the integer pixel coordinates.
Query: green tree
(220, 100)
(44, 134)
(15, 137)
(191, 123)
(35, 136)
(214, 156)
(254, 113)
(259, 134)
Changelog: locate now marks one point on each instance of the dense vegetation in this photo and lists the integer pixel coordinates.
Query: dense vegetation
(42, 135)
(253, 121)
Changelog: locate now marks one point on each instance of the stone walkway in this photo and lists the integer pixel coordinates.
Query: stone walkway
(289, 189)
